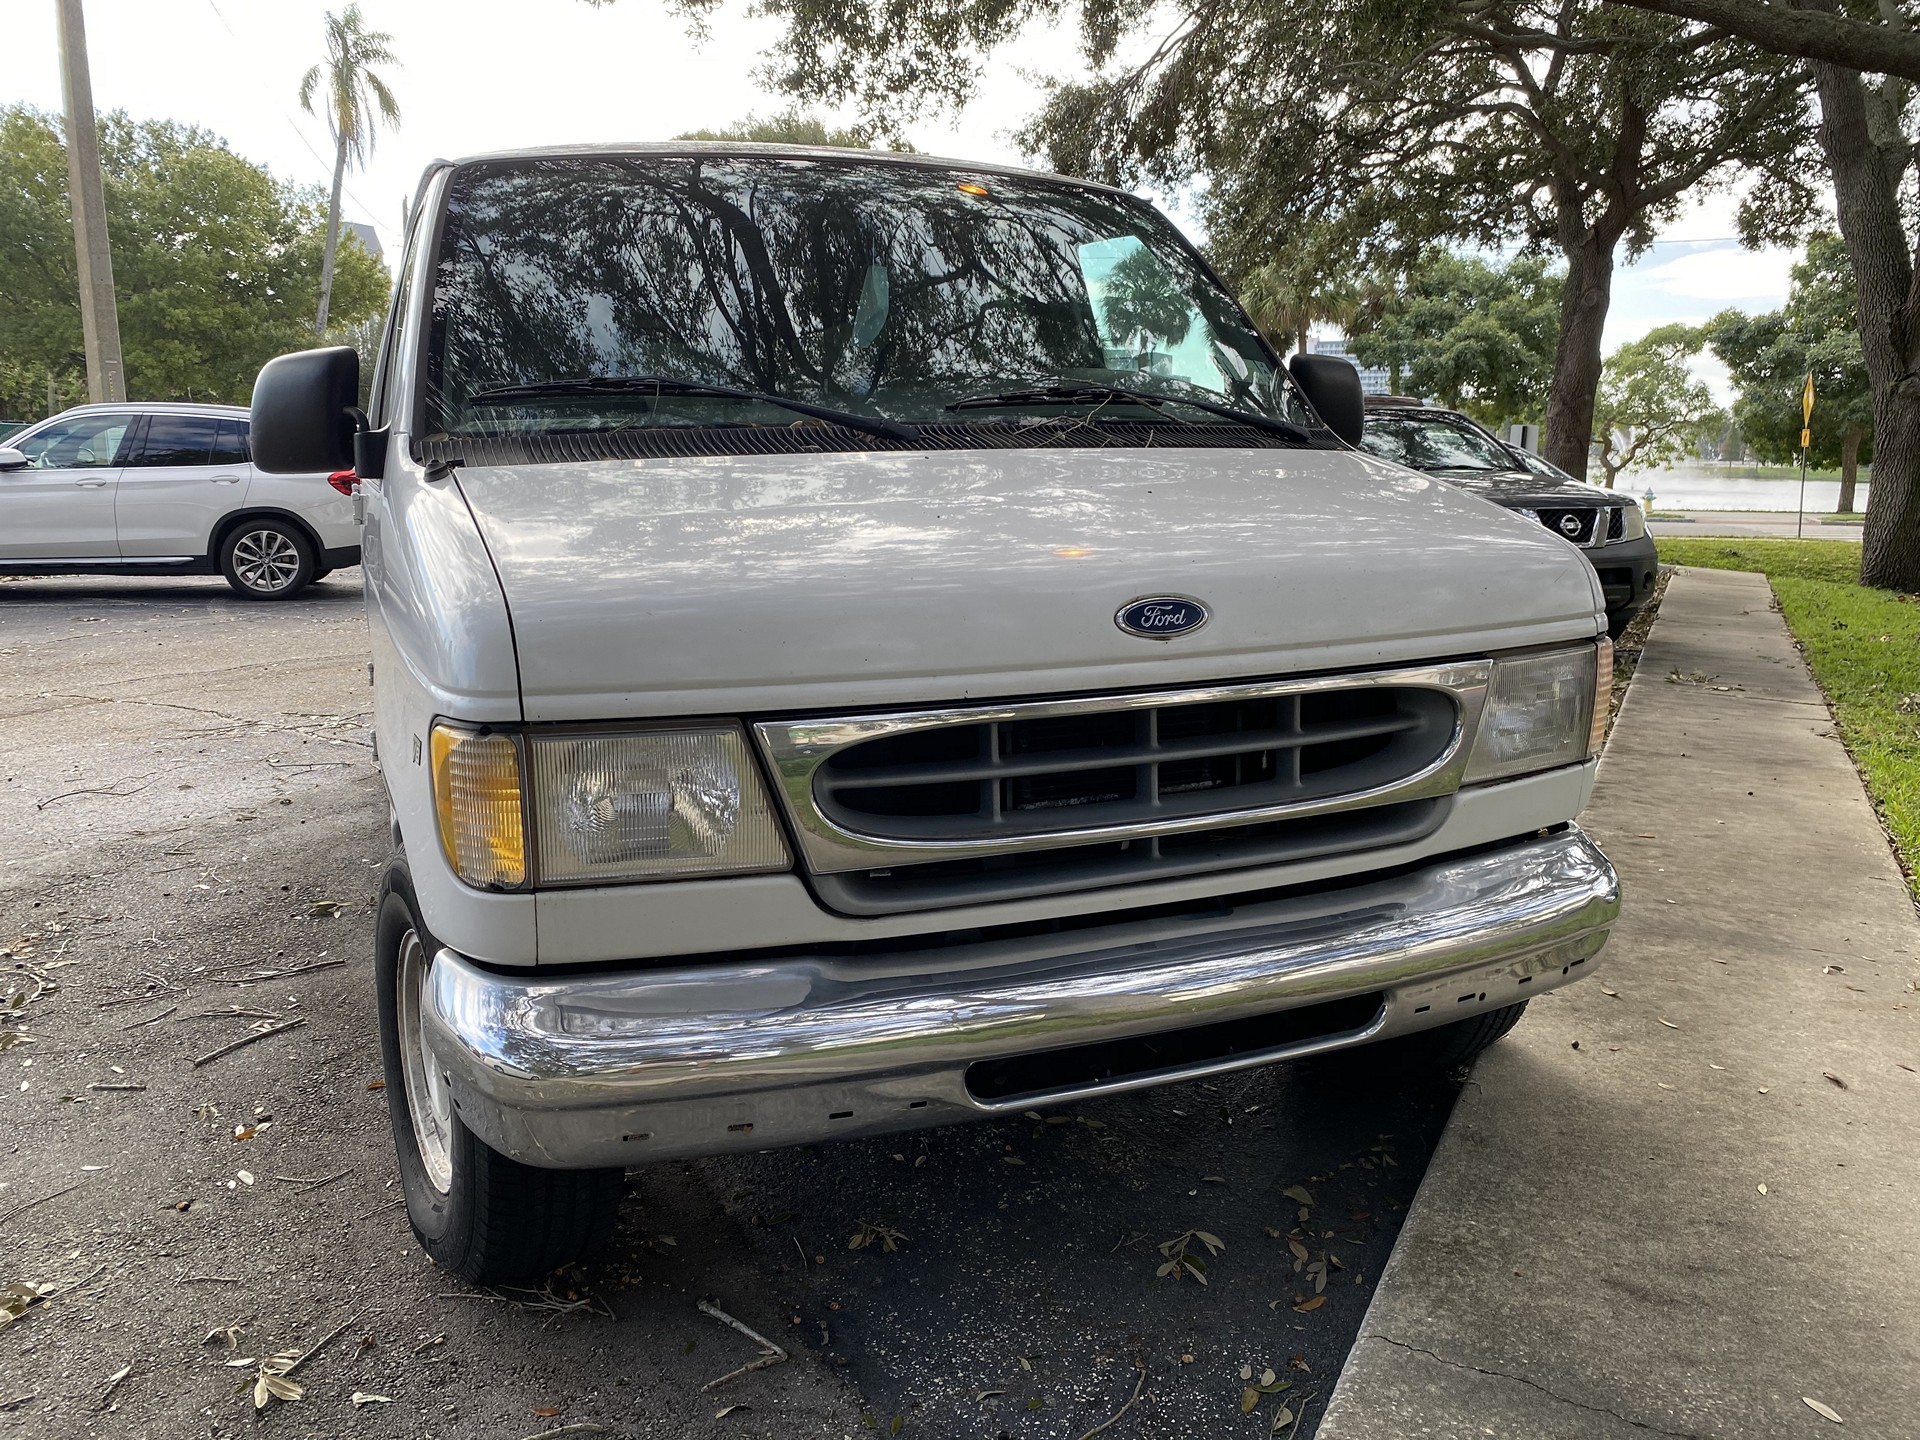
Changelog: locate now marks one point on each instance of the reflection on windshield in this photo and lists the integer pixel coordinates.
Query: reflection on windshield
(878, 288)
(1431, 444)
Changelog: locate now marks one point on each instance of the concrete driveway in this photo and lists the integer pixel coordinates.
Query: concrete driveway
(194, 835)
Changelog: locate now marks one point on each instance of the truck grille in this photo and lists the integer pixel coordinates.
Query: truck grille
(1024, 777)
(931, 809)
(1586, 525)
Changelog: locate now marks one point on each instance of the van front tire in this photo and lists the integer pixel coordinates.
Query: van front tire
(481, 1215)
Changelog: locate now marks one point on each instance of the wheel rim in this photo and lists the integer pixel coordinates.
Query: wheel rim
(266, 560)
(429, 1098)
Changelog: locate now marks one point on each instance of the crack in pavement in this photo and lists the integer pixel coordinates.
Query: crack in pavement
(1531, 1385)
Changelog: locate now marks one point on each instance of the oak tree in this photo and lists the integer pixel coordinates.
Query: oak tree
(1477, 336)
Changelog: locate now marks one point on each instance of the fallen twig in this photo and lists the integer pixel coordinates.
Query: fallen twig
(1138, 1385)
(212, 1280)
(103, 1085)
(770, 1353)
(311, 1182)
(313, 1350)
(17, 1401)
(230, 1013)
(579, 1427)
(151, 1018)
(260, 976)
(245, 1040)
(429, 1343)
(6, 1215)
(117, 794)
(113, 1384)
(390, 1205)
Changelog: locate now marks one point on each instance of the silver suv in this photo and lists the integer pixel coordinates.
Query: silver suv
(165, 489)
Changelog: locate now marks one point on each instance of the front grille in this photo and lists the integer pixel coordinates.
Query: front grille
(1574, 523)
(1025, 874)
(1022, 777)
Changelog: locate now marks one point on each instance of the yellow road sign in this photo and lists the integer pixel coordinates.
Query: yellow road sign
(1806, 403)
(1806, 438)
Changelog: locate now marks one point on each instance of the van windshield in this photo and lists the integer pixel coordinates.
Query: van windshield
(872, 290)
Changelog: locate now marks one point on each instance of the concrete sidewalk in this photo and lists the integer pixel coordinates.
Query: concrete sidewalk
(1679, 1209)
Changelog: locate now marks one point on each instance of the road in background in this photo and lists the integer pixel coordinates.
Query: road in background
(195, 837)
(1771, 525)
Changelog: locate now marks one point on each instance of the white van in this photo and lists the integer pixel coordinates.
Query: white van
(864, 641)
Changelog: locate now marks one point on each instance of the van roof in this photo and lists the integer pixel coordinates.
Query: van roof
(781, 152)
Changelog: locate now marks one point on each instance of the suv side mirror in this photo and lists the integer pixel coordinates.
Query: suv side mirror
(1332, 388)
(305, 411)
(11, 459)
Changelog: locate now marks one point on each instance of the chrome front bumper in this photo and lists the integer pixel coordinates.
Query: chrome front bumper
(649, 1064)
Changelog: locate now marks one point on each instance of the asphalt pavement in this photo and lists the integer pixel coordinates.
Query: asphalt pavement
(196, 1176)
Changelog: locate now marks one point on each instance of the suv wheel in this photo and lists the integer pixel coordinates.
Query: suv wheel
(480, 1214)
(267, 560)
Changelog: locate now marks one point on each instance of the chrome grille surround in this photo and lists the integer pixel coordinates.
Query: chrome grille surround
(797, 750)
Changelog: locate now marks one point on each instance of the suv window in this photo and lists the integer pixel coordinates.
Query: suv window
(230, 445)
(178, 440)
(82, 443)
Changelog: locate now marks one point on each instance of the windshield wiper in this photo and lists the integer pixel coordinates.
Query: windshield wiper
(1093, 391)
(666, 385)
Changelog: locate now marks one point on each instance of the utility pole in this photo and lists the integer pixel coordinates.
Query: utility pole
(99, 319)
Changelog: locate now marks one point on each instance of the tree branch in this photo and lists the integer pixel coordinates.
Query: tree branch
(1805, 34)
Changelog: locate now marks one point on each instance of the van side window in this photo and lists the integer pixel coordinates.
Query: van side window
(391, 335)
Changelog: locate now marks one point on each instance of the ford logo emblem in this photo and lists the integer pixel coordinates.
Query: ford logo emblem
(1161, 617)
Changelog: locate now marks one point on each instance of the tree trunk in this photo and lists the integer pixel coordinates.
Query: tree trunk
(1849, 468)
(1576, 359)
(333, 238)
(1866, 199)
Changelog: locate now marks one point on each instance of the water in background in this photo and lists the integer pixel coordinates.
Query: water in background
(1699, 489)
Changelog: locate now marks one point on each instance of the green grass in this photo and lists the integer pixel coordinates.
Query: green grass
(1864, 648)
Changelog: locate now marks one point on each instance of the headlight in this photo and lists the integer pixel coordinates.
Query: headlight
(605, 807)
(1633, 521)
(1543, 711)
(611, 807)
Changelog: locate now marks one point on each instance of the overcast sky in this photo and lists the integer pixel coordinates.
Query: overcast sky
(486, 74)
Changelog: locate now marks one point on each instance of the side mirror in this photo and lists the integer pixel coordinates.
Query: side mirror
(11, 459)
(304, 411)
(1332, 388)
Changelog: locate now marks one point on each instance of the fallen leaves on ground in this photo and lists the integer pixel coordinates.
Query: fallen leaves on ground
(1180, 1262)
(869, 1232)
(271, 1383)
(1824, 1410)
(15, 1297)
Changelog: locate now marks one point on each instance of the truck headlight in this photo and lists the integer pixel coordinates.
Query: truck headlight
(649, 805)
(1633, 521)
(1543, 711)
(603, 807)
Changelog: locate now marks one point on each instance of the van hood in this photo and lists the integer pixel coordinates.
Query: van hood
(759, 584)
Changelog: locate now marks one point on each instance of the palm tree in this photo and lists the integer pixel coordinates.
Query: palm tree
(356, 100)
